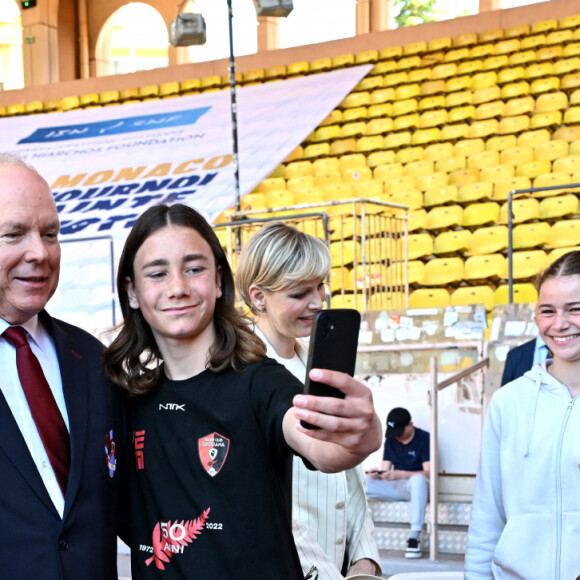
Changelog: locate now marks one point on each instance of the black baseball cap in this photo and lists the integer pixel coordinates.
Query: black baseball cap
(397, 420)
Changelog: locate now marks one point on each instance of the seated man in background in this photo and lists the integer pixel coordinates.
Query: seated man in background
(404, 472)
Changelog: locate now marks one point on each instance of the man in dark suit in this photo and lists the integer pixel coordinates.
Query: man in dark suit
(522, 358)
(50, 530)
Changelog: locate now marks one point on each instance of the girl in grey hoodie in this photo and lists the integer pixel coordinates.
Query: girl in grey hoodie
(525, 520)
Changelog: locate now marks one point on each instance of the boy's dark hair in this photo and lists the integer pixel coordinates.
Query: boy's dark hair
(133, 359)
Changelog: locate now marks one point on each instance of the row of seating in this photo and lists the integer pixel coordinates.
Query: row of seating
(438, 297)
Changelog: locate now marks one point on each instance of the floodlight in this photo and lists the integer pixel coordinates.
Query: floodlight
(187, 29)
(279, 8)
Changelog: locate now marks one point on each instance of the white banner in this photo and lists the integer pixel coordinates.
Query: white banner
(107, 165)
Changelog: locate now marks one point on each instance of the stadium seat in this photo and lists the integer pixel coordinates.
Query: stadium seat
(369, 189)
(435, 180)
(415, 273)
(572, 21)
(473, 295)
(437, 196)
(454, 132)
(367, 57)
(397, 140)
(409, 154)
(298, 169)
(484, 267)
(522, 57)
(524, 210)
(458, 99)
(507, 46)
(280, 198)
(320, 65)
(390, 171)
(569, 164)
(356, 174)
(420, 246)
(489, 240)
(531, 235)
(461, 114)
(109, 97)
(379, 110)
(253, 201)
(564, 233)
(511, 75)
(556, 208)
(514, 90)
(449, 164)
(549, 119)
(417, 220)
(429, 298)
(532, 169)
(342, 146)
(443, 271)
(523, 292)
(495, 173)
(470, 67)
(436, 151)
(418, 168)
(464, 176)
(452, 242)
(477, 215)
(458, 83)
(444, 217)
(570, 82)
(483, 129)
(322, 179)
(483, 159)
(475, 191)
(297, 69)
(412, 198)
(517, 31)
(551, 180)
(527, 264)
(513, 125)
(501, 142)
(533, 42)
(275, 183)
(377, 158)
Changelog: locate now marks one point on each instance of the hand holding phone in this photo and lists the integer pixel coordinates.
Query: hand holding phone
(333, 346)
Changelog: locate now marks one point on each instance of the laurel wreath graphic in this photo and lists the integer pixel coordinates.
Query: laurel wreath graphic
(163, 542)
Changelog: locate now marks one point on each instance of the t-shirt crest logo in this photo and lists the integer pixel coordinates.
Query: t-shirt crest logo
(213, 450)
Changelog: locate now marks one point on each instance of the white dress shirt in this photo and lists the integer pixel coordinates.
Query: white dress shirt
(43, 347)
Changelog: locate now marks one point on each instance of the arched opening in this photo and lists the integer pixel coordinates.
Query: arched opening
(11, 67)
(313, 22)
(134, 38)
(215, 14)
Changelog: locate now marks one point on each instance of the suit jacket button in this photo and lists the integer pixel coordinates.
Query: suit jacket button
(63, 544)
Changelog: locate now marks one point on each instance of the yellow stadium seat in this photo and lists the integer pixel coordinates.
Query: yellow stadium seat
(300, 182)
(280, 198)
(507, 46)
(432, 87)
(458, 83)
(538, 70)
(321, 179)
(451, 163)
(558, 252)
(511, 75)
(377, 158)
(531, 235)
(398, 184)
(484, 267)
(429, 298)
(523, 210)
(370, 83)
(444, 217)
(444, 71)
(452, 242)
(468, 147)
(533, 42)
(564, 233)
(343, 146)
(438, 196)
(36, 107)
(544, 26)
(489, 240)
(419, 168)
(483, 129)
(465, 39)
(461, 114)
(384, 67)
(298, 69)
(370, 189)
(253, 201)
(456, 55)
(415, 273)
(566, 65)
(464, 176)
(370, 143)
(572, 116)
(437, 151)
(380, 110)
(458, 99)
(395, 79)
(477, 215)
(495, 173)
(501, 142)
(550, 52)
(556, 208)
(551, 150)
(404, 107)
(352, 161)
(513, 125)
(544, 85)
(409, 62)
(295, 154)
(443, 271)
(475, 191)
(354, 129)
(397, 140)
(527, 264)
(426, 136)
(552, 180)
(454, 132)
(367, 56)
(412, 198)
(298, 169)
(516, 155)
(354, 114)
(420, 246)
(473, 295)
(546, 120)
(109, 97)
(483, 159)
(405, 122)
(514, 90)
(320, 65)
(357, 174)
(569, 164)
(409, 154)
(433, 118)
(570, 82)
(490, 110)
(572, 21)
(496, 63)
(439, 44)
(316, 150)
(379, 126)
(532, 169)
(522, 292)
(325, 165)
(534, 138)
(272, 184)
(434, 180)
(519, 106)
(419, 75)
(522, 57)
(389, 171)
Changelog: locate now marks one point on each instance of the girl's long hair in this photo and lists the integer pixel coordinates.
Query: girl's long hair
(133, 360)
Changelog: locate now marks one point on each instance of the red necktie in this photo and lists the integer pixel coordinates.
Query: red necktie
(45, 412)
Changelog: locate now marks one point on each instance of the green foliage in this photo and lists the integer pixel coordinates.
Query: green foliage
(412, 12)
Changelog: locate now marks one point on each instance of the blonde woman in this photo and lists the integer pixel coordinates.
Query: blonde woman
(281, 277)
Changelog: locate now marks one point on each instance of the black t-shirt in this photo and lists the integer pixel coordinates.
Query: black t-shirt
(211, 492)
(409, 457)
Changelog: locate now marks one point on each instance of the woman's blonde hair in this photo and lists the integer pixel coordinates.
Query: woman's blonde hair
(277, 257)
